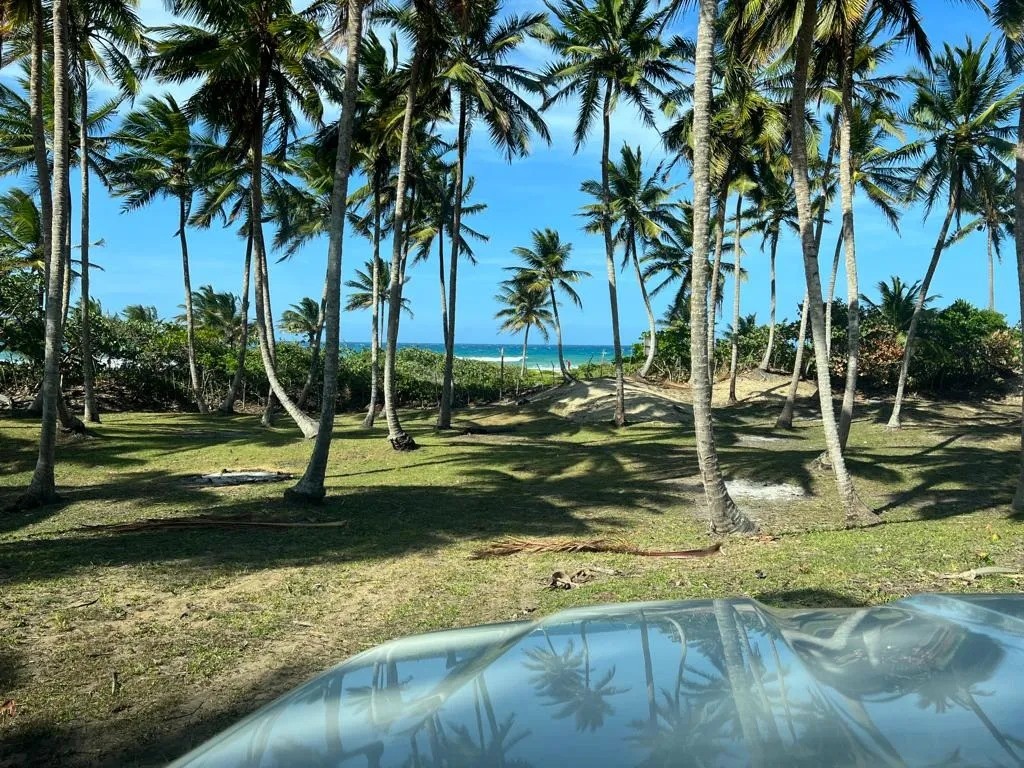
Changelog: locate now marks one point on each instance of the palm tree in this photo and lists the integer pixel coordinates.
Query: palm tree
(487, 85)
(523, 308)
(773, 210)
(641, 208)
(303, 319)
(609, 50)
(961, 111)
(545, 268)
(158, 159)
(725, 516)
(991, 204)
(856, 510)
(312, 483)
(138, 313)
(362, 294)
(256, 62)
(105, 36)
(896, 302)
(42, 487)
(217, 312)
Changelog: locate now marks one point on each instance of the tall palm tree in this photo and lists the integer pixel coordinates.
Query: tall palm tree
(857, 512)
(158, 159)
(42, 487)
(523, 307)
(487, 85)
(1008, 16)
(106, 36)
(257, 63)
(545, 267)
(302, 319)
(896, 302)
(641, 208)
(217, 312)
(990, 204)
(726, 517)
(362, 294)
(609, 50)
(961, 111)
(773, 211)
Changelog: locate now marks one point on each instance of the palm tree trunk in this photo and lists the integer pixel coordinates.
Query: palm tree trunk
(190, 324)
(42, 487)
(766, 361)
(371, 412)
(738, 679)
(228, 405)
(716, 276)
(39, 130)
(857, 512)
(441, 283)
(566, 376)
(90, 412)
(444, 417)
(991, 271)
(264, 320)
(314, 346)
(67, 419)
(399, 438)
(895, 421)
(785, 420)
(735, 345)
(526, 339)
(1018, 237)
(609, 252)
(832, 289)
(852, 285)
(311, 485)
(725, 516)
(652, 323)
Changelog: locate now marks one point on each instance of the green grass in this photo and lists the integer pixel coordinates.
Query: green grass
(202, 626)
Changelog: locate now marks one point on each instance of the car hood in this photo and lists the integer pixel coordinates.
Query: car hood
(929, 680)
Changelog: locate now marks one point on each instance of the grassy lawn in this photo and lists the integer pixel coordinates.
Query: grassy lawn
(128, 648)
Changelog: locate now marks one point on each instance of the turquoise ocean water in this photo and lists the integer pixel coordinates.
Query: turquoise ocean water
(544, 356)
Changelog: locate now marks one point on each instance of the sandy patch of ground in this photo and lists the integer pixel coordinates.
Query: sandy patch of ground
(747, 489)
(590, 402)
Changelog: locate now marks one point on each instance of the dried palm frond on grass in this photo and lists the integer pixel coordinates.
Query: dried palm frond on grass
(514, 546)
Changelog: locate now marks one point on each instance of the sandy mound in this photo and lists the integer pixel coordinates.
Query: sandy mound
(589, 402)
(748, 489)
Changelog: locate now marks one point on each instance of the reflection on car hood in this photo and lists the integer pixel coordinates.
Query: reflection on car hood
(931, 680)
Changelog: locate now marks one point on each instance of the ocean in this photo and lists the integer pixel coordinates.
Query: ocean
(543, 356)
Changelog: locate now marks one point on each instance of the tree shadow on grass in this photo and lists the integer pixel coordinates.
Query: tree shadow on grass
(809, 598)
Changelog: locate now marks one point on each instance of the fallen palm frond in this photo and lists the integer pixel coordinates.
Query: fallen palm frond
(201, 521)
(976, 573)
(515, 546)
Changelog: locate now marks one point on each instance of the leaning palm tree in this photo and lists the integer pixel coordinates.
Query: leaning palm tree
(523, 307)
(545, 267)
(42, 486)
(726, 517)
(961, 111)
(258, 65)
(477, 68)
(607, 51)
(158, 159)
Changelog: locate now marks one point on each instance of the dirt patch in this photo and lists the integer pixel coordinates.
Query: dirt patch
(748, 489)
(593, 402)
(238, 477)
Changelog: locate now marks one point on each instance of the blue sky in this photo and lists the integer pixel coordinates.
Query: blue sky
(141, 259)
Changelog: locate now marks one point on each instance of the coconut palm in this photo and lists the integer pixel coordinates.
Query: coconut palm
(961, 111)
(302, 319)
(545, 267)
(106, 36)
(607, 51)
(896, 302)
(773, 211)
(258, 64)
(362, 294)
(158, 159)
(139, 313)
(217, 312)
(990, 203)
(640, 208)
(523, 308)
(488, 86)
(42, 488)
(725, 515)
